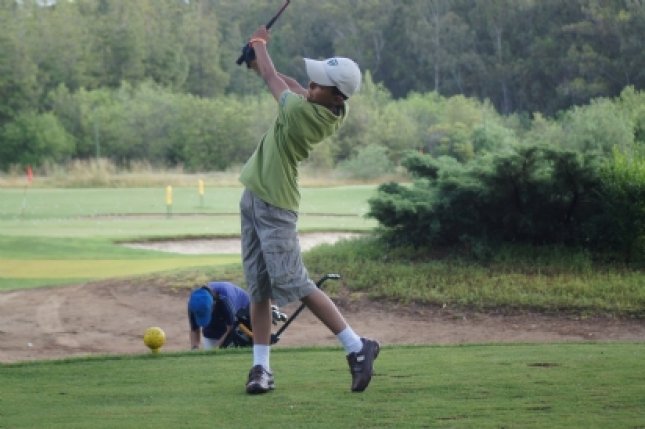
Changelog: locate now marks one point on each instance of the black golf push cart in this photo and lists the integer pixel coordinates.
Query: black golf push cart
(242, 334)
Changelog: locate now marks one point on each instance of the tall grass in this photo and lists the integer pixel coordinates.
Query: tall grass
(515, 278)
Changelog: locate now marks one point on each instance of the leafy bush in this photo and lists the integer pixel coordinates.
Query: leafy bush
(150, 123)
(535, 194)
(632, 103)
(369, 162)
(599, 127)
(620, 224)
(34, 138)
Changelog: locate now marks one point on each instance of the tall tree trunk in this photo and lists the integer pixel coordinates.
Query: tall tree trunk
(501, 68)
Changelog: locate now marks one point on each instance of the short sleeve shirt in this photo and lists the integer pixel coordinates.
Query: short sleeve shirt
(272, 171)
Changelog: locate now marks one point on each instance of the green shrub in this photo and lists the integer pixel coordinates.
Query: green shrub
(535, 195)
(599, 127)
(34, 138)
(620, 224)
(369, 162)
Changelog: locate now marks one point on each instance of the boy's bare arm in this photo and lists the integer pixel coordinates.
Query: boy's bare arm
(264, 65)
(229, 328)
(195, 337)
(293, 84)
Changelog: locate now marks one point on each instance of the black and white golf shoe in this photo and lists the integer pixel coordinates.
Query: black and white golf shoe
(260, 380)
(361, 364)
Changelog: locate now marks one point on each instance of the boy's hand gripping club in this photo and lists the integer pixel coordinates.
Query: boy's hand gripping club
(248, 54)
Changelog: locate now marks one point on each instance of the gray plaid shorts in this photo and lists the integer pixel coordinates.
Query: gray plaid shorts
(271, 256)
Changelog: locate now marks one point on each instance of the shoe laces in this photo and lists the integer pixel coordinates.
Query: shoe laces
(356, 360)
(258, 371)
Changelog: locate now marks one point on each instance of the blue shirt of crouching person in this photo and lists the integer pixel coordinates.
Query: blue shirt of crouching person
(213, 312)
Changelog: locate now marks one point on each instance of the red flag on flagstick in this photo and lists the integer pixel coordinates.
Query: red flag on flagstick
(30, 175)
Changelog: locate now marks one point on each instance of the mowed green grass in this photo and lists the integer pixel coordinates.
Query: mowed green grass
(61, 236)
(44, 203)
(475, 386)
(27, 262)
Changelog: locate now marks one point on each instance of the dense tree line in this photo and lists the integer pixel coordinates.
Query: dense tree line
(156, 79)
(523, 55)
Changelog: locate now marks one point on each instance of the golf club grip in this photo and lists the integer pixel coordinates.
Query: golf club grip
(246, 330)
(268, 25)
(240, 60)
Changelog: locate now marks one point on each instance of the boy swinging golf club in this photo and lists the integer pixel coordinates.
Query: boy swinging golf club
(271, 256)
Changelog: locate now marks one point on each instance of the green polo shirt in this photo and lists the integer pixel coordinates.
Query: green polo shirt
(272, 171)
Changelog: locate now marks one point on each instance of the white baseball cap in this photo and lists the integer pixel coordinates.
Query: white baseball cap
(340, 72)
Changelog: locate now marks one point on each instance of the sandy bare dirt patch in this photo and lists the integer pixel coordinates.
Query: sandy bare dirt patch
(109, 317)
(232, 245)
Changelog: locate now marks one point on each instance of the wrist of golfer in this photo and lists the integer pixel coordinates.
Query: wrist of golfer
(257, 40)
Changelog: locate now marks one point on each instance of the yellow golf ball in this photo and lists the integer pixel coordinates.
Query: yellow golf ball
(154, 338)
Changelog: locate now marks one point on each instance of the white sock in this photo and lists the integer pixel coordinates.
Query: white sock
(261, 355)
(350, 341)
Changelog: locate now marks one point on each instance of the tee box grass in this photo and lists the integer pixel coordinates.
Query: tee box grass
(474, 386)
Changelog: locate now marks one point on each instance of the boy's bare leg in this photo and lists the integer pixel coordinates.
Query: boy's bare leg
(325, 310)
(261, 322)
(260, 378)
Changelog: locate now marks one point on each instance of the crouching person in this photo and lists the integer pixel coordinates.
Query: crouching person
(214, 311)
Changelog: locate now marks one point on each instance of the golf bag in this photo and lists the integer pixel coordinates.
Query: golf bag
(242, 334)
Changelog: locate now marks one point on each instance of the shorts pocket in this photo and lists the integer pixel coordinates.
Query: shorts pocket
(282, 258)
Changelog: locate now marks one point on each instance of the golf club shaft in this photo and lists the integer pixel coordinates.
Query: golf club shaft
(286, 324)
(269, 24)
(277, 15)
